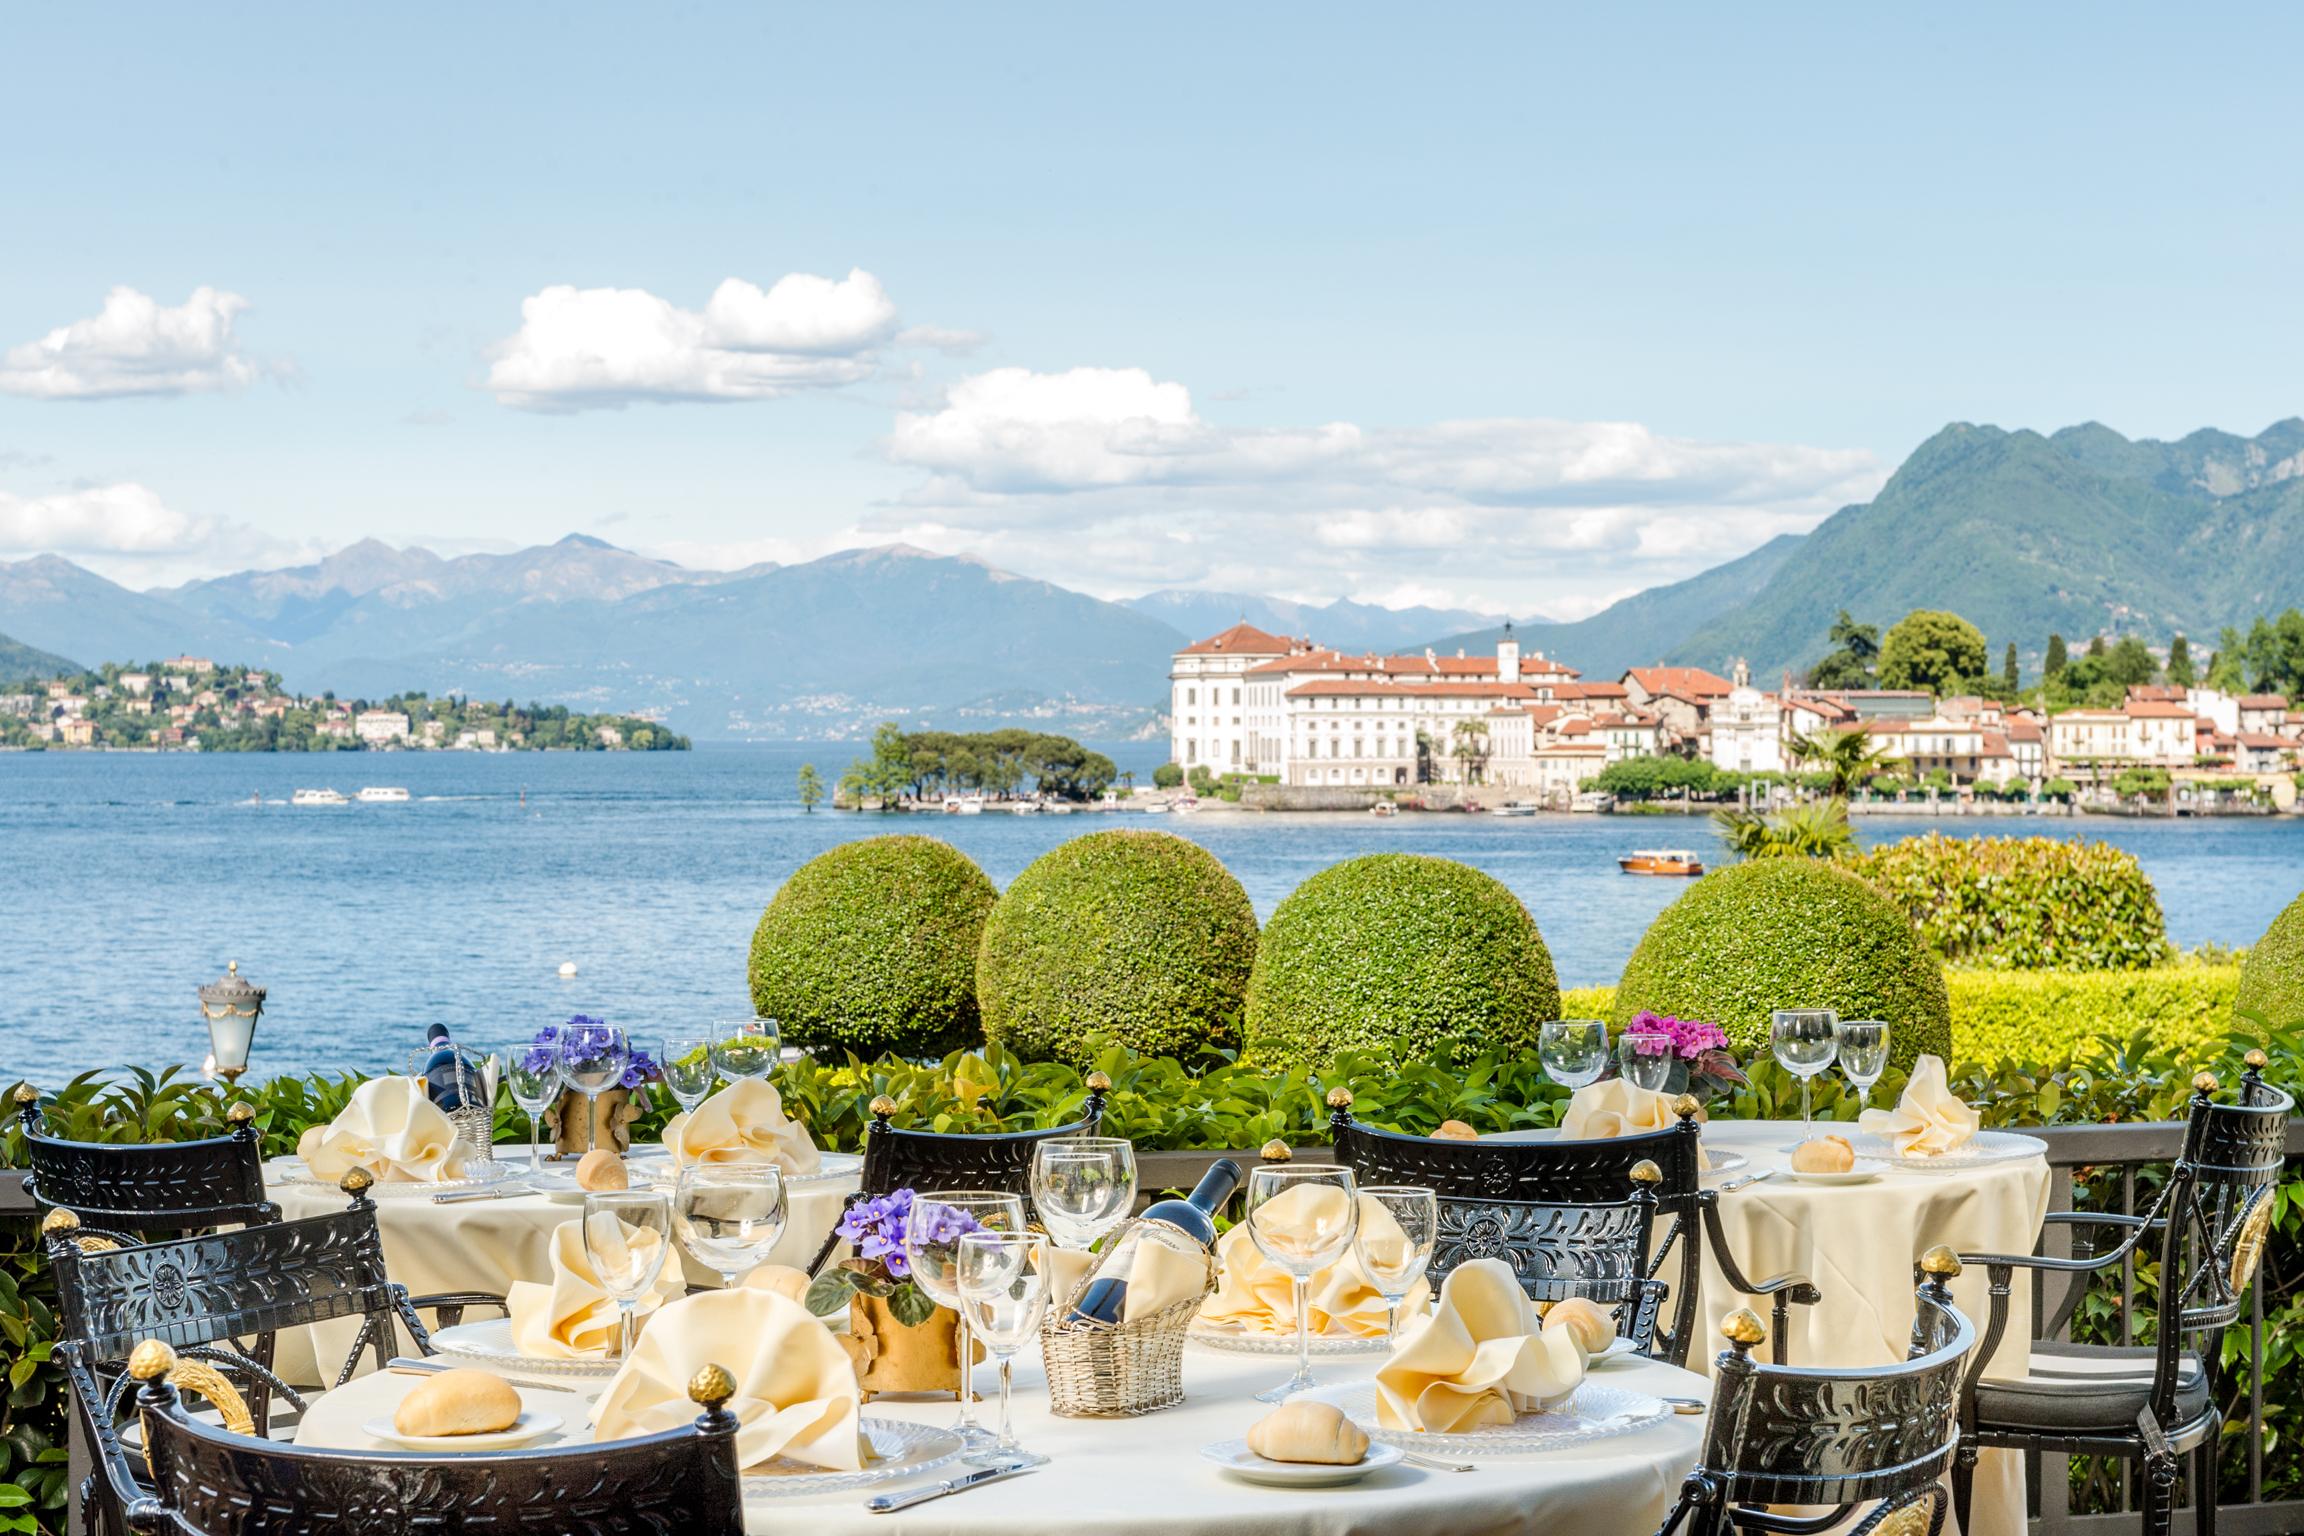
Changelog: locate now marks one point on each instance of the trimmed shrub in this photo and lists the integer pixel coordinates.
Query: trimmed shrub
(2023, 903)
(1133, 938)
(2041, 1018)
(1418, 957)
(2272, 981)
(1788, 933)
(871, 948)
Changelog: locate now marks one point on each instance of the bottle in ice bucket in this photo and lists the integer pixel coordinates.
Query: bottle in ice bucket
(1186, 1225)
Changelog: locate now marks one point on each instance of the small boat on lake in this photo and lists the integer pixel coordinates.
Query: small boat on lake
(384, 794)
(1515, 808)
(1384, 808)
(963, 805)
(1660, 861)
(317, 797)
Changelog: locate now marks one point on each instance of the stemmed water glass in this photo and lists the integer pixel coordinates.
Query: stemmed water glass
(730, 1215)
(1805, 1040)
(1574, 1051)
(932, 1233)
(689, 1068)
(1395, 1260)
(532, 1073)
(1003, 1289)
(1863, 1055)
(1302, 1217)
(1644, 1058)
(1082, 1186)
(593, 1057)
(626, 1235)
(746, 1047)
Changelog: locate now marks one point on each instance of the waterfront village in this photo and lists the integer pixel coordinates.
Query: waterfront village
(1334, 730)
(189, 703)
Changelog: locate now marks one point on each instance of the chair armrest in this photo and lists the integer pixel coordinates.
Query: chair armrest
(1794, 1287)
(2043, 1262)
(446, 1302)
(2101, 1219)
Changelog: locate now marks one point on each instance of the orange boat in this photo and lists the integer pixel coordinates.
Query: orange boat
(1660, 861)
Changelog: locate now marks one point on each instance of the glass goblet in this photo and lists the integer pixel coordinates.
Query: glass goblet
(689, 1068)
(1804, 1040)
(730, 1215)
(1003, 1290)
(1863, 1055)
(1399, 1223)
(1574, 1051)
(746, 1047)
(532, 1077)
(1083, 1186)
(626, 1235)
(1644, 1058)
(593, 1056)
(932, 1231)
(1302, 1218)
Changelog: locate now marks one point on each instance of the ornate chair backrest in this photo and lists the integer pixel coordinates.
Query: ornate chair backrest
(210, 1482)
(2220, 1200)
(1780, 1434)
(149, 1187)
(1597, 1251)
(896, 1158)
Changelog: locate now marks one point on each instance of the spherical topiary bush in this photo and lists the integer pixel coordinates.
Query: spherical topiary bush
(1422, 957)
(1138, 938)
(871, 948)
(2272, 980)
(2023, 903)
(1789, 933)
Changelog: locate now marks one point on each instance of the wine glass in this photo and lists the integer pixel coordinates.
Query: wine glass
(1398, 1225)
(626, 1234)
(1082, 1186)
(1863, 1055)
(1574, 1051)
(1804, 1040)
(1644, 1058)
(689, 1068)
(730, 1215)
(1003, 1289)
(932, 1231)
(1302, 1217)
(593, 1056)
(532, 1073)
(746, 1047)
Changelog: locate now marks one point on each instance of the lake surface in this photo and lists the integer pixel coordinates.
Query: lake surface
(128, 880)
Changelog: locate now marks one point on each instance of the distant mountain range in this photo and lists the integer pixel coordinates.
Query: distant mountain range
(19, 661)
(2082, 531)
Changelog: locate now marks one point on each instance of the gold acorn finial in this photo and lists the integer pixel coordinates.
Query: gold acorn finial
(2204, 1082)
(151, 1360)
(1645, 1171)
(1940, 1261)
(1098, 1082)
(60, 1220)
(2254, 1060)
(356, 1181)
(1743, 1326)
(1339, 1098)
(883, 1106)
(711, 1386)
(27, 1094)
(1686, 1105)
(241, 1113)
(1276, 1151)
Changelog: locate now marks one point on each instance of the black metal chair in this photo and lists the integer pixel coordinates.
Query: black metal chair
(1876, 1435)
(1480, 1174)
(895, 1158)
(149, 1188)
(212, 1482)
(1598, 1251)
(2149, 1404)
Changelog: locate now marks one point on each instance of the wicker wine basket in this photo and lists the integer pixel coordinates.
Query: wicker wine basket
(1103, 1372)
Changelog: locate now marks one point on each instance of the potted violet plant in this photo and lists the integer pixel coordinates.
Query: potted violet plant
(899, 1339)
(612, 1112)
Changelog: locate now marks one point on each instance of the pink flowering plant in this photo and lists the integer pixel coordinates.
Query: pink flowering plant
(1702, 1064)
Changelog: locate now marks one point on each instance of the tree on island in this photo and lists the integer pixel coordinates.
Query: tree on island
(1471, 749)
(1855, 648)
(2180, 673)
(2057, 659)
(1167, 776)
(2008, 675)
(1931, 649)
(811, 787)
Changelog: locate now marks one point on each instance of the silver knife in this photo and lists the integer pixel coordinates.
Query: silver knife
(410, 1366)
(454, 1196)
(881, 1504)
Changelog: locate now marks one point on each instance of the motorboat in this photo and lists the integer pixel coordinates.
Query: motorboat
(317, 797)
(963, 805)
(1384, 808)
(1514, 809)
(1660, 861)
(386, 794)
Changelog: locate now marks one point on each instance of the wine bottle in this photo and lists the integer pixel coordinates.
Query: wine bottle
(1187, 1225)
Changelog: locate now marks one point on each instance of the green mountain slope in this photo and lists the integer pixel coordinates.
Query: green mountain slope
(19, 661)
(2022, 534)
(49, 602)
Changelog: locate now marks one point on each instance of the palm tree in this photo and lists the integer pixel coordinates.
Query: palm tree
(1471, 739)
(1818, 829)
(1849, 756)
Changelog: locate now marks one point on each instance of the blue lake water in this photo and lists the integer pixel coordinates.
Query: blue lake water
(127, 880)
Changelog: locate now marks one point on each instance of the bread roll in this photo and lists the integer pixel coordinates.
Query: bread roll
(1309, 1432)
(602, 1169)
(1586, 1321)
(1823, 1154)
(1455, 1130)
(783, 1279)
(458, 1403)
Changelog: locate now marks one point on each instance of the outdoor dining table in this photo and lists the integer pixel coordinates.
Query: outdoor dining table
(1144, 1476)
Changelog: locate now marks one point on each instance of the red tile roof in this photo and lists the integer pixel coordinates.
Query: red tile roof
(2264, 701)
(2265, 739)
(2148, 710)
(1592, 690)
(2021, 729)
(2154, 693)
(1344, 687)
(1241, 638)
(1691, 682)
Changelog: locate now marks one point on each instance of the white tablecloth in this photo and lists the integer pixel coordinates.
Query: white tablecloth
(1144, 1477)
(485, 1245)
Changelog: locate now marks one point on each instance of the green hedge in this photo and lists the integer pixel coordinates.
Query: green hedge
(1136, 938)
(2023, 903)
(2272, 982)
(1788, 933)
(1399, 952)
(2041, 1018)
(871, 947)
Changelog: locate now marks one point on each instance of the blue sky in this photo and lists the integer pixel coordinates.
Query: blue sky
(1518, 307)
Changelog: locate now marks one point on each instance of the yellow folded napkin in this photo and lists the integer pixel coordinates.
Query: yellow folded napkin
(1600, 1111)
(783, 1279)
(796, 1393)
(742, 1123)
(1159, 1277)
(1255, 1295)
(1929, 1120)
(1481, 1359)
(389, 1128)
(570, 1317)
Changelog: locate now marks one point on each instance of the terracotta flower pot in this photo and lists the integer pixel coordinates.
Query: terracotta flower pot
(891, 1357)
(612, 1116)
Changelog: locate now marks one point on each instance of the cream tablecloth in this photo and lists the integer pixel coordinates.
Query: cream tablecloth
(485, 1245)
(1144, 1477)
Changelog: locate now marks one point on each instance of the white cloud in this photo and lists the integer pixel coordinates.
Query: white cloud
(580, 348)
(1111, 479)
(942, 339)
(135, 346)
(128, 533)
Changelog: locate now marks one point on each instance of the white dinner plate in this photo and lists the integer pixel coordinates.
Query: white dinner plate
(529, 1428)
(291, 1170)
(1591, 1412)
(1238, 1341)
(1852, 1176)
(1979, 1151)
(831, 1165)
(489, 1342)
(1619, 1348)
(898, 1449)
(1721, 1164)
(1235, 1457)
